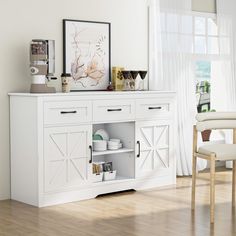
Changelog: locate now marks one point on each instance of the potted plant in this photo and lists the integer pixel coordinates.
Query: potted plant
(207, 87)
(206, 133)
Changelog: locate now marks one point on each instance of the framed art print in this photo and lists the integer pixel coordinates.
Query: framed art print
(86, 54)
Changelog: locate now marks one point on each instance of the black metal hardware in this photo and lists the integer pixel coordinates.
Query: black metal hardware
(154, 108)
(119, 109)
(91, 154)
(138, 142)
(68, 112)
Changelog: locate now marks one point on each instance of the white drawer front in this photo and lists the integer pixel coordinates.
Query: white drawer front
(151, 108)
(113, 110)
(67, 112)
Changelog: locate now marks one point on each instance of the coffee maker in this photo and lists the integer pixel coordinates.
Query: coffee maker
(42, 65)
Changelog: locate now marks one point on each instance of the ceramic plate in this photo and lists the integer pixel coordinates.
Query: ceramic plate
(103, 133)
(97, 137)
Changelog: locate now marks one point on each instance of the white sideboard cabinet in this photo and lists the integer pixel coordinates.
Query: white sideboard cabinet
(52, 152)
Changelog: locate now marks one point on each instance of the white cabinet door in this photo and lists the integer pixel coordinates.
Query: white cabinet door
(66, 156)
(154, 152)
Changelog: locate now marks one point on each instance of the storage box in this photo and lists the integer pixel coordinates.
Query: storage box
(98, 167)
(109, 175)
(117, 78)
(97, 177)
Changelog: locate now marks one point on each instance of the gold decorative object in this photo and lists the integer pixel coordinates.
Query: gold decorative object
(117, 78)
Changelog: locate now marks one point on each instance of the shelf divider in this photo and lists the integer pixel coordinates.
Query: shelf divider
(107, 152)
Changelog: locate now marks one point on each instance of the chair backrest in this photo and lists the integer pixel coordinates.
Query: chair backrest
(216, 120)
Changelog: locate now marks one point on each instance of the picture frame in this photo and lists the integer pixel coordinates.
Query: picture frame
(87, 54)
(107, 167)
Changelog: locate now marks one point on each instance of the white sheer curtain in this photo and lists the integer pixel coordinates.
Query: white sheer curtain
(155, 47)
(171, 68)
(224, 69)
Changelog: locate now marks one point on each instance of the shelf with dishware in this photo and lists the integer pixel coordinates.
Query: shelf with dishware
(113, 155)
(109, 138)
(109, 152)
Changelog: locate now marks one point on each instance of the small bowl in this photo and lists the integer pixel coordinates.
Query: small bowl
(116, 140)
(112, 143)
(113, 147)
(99, 145)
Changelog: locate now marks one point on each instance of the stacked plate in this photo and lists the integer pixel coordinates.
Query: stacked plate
(101, 141)
(114, 144)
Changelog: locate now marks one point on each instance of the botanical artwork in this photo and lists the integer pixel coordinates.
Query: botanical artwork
(87, 54)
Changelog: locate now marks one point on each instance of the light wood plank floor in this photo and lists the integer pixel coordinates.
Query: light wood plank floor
(146, 213)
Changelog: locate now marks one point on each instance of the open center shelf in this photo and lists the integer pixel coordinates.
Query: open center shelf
(116, 165)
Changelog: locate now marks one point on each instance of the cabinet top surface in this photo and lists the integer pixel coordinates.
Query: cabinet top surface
(88, 93)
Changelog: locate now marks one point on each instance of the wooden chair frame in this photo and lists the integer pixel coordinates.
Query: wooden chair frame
(212, 160)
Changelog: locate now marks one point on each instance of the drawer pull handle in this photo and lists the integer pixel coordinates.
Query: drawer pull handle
(155, 108)
(119, 109)
(138, 155)
(91, 154)
(68, 112)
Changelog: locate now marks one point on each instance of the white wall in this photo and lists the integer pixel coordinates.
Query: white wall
(21, 21)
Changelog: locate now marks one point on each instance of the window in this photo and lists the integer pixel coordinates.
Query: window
(197, 33)
(206, 40)
(203, 85)
(206, 51)
(198, 36)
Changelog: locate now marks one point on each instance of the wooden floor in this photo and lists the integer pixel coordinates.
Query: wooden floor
(157, 212)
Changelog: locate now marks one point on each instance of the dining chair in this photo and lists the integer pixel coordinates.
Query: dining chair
(214, 152)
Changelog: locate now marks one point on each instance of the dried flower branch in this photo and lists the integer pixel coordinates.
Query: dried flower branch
(87, 64)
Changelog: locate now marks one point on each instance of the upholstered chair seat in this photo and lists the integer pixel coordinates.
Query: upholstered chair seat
(223, 152)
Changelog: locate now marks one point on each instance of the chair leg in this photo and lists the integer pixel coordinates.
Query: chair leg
(233, 183)
(212, 188)
(194, 170)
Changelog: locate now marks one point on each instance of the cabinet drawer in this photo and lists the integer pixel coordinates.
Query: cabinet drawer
(149, 108)
(113, 110)
(67, 112)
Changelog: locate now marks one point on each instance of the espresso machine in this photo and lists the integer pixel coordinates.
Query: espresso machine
(42, 65)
